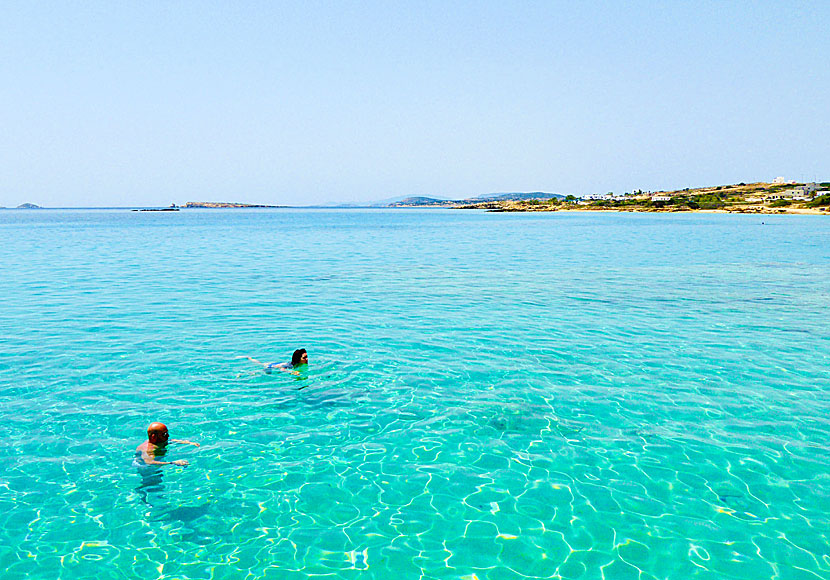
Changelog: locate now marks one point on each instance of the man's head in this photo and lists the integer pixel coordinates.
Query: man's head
(157, 434)
(300, 357)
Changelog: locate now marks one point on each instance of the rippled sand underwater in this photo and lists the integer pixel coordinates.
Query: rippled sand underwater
(488, 396)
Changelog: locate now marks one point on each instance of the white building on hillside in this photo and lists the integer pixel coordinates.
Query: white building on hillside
(801, 193)
(804, 192)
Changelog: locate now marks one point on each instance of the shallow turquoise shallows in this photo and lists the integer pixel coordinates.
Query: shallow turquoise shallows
(501, 396)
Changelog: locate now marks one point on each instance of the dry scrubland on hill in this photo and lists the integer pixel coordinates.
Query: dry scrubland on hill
(740, 198)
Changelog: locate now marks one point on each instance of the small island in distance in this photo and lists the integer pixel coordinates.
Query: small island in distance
(210, 205)
(224, 204)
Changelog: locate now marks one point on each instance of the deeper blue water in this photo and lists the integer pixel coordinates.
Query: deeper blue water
(501, 396)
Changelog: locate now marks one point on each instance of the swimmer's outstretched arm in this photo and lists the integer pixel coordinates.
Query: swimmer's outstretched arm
(184, 441)
(252, 359)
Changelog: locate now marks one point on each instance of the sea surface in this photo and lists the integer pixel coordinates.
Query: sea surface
(502, 396)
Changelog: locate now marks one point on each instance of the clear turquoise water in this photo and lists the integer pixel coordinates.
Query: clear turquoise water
(489, 396)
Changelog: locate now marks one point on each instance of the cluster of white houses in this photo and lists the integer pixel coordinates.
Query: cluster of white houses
(804, 192)
(607, 197)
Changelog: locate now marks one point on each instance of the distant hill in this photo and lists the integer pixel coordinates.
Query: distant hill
(28, 206)
(418, 201)
(425, 201)
(518, 196)
(433, 202)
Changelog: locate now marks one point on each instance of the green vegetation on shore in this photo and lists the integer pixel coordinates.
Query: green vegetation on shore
(739, 198)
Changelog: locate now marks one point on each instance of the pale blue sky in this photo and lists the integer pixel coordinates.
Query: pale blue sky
(150, 103)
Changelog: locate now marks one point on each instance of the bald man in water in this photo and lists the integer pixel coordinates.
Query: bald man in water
(156, 446)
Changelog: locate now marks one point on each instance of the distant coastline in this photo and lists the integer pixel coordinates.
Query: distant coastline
(777, 197)
(752, 198)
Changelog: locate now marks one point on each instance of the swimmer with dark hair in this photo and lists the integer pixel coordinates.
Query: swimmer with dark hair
(298, 359)
(156, 446)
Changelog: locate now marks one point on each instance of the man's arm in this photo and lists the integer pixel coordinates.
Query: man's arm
(150, 459)
(185, 442)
